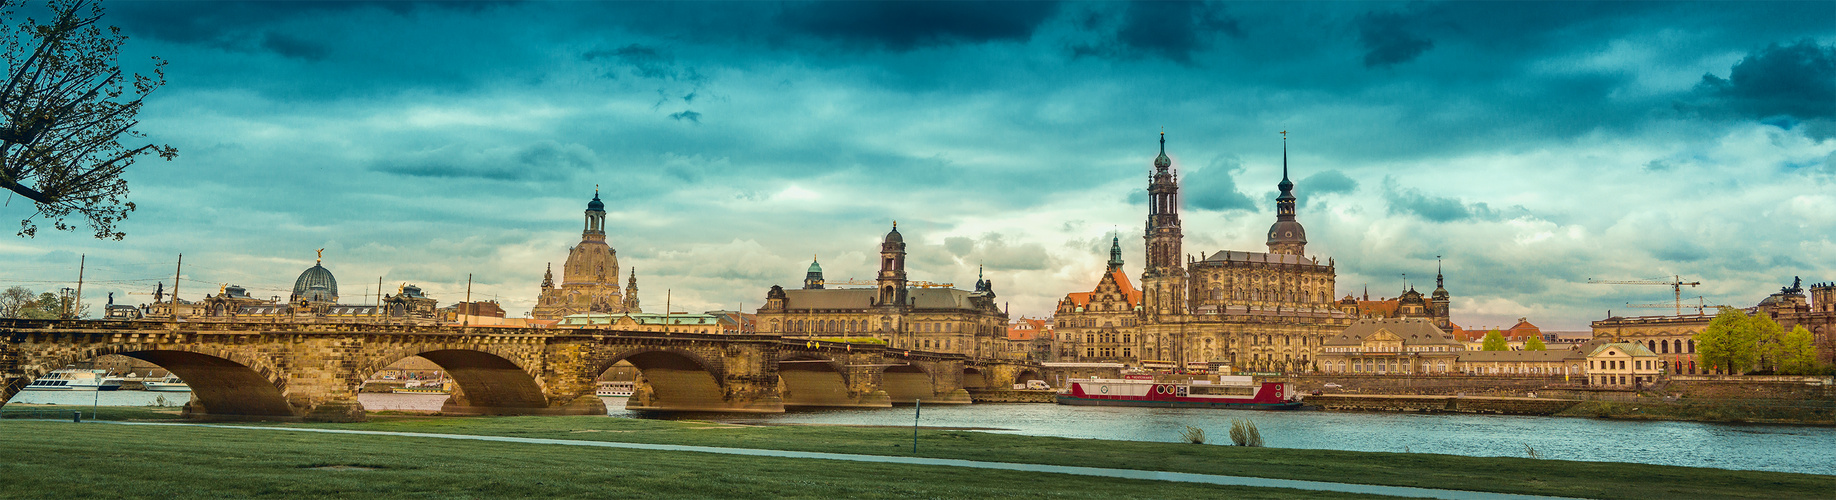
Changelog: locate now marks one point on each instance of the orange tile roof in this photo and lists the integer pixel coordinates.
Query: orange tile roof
(1027, 329)
(1129, 293)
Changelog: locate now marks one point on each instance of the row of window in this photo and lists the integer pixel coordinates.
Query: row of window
(1620, 364)
(856, 326)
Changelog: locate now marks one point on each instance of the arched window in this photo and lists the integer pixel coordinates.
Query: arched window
(1692, 348)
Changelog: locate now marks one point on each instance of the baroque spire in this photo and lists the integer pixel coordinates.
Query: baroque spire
(1115, 253)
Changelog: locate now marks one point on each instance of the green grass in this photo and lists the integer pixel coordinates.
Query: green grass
(65, 460)
(1510, 475)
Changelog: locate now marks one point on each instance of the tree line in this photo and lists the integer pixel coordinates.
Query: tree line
(1737, 343)
(20, 303)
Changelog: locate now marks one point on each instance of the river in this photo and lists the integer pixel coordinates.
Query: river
(1781, 448)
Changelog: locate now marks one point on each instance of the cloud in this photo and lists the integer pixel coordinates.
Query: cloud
(1174, 30)
(542, 160)
(1328, 182)
(647, 62)
(1413, 201)
(1215, 187)
(296, 48)
(1388, 39)
(1797, 80)
(687, 114)
(906, 25)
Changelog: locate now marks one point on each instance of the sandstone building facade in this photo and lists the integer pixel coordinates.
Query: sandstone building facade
(1254, 311)
(895, 311)
(1672, 337)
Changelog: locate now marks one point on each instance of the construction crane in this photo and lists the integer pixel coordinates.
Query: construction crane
(910, 283)
(1701, 305)
(1675, 283)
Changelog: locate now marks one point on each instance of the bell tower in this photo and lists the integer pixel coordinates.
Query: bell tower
(1286, 236)
(891, 280)
(1164, 279)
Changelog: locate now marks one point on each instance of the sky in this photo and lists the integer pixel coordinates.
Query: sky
(1529, 146)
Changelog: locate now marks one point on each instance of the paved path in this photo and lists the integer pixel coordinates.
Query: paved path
(1184, 477)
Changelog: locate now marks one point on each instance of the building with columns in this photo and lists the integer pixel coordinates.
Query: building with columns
(900, 312)
(589, 278)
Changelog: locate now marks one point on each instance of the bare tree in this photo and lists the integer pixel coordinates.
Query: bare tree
(15, 300)
(65, 110)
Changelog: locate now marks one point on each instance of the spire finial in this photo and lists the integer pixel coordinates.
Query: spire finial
(1284, 156)
(320, 258)
(895, 224)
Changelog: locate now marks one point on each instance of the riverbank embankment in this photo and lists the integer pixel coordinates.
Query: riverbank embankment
(254, 463)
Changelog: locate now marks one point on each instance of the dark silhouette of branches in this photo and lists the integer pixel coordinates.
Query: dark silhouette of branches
(65, 109)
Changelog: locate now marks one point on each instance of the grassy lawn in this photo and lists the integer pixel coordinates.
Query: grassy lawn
(1511, 475)
(65, 460)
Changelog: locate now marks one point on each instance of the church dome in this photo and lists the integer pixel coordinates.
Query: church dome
(596, 204)
(1162, 161)
(1287, 231)
(894, 236)
(815, 267)
(316, 284)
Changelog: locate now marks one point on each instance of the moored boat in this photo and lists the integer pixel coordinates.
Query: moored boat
(1227, 392)
(168, 384)
(75, 380)
(428, 387)
(615, 389)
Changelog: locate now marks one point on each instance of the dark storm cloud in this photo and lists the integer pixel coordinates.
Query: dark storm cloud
(1215, 187)
(905, 25)
(1174, 30)
(686, 115)
(1412, 201)
(540, 161)
(647, 62)
(1797, 80)
(296, 48)
(1389, 38)
(1328, 182)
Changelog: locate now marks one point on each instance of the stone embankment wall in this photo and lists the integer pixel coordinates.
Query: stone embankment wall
(1441, 404)
(1425, 385)
(1783, 388)
(1012, 396)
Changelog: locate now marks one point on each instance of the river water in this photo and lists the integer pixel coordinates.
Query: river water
(1781, 448)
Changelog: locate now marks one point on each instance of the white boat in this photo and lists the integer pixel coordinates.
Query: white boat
(428, 387)
(615, 389)
(169, 384)
(75, 380)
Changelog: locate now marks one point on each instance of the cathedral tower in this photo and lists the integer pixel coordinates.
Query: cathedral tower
(892, 268)
(1115, 253)
(1286, 236)
(1164, 278)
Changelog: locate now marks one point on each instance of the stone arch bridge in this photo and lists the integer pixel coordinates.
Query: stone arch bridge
(314, 371)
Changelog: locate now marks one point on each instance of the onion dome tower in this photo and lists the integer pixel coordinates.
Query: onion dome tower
(316, 284)
(1286, 236)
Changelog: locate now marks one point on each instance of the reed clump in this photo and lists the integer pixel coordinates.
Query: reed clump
(1243, 433)
(1193, 435)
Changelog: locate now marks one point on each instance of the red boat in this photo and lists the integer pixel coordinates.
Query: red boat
(1227, 392)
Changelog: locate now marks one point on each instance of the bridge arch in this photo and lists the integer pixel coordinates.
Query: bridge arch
(907, 383)
(491, 381)
(808, 379)
(224, 383)
(973, 378)
(672, 379)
